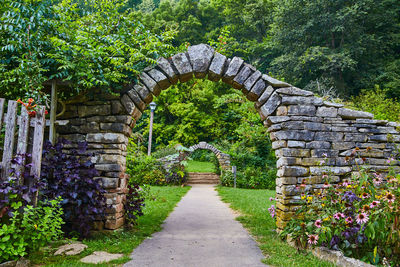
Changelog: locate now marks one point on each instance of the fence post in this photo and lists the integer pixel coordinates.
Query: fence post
(53, 109)
(11, 120)
(22, 143)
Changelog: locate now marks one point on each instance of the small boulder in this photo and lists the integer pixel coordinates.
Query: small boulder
(100, 257)
(71, 249)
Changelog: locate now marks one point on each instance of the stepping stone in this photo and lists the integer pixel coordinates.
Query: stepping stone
(101, 257)
(71, 249)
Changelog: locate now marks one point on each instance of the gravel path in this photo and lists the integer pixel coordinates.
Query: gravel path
(201, 231)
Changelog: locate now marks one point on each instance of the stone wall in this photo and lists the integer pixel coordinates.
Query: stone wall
(303, 127)
(224, 160)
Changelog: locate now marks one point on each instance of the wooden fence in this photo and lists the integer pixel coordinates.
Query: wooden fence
(23, 134)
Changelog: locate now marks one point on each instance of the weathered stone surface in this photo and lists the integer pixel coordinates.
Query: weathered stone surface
(294, 91)
(270, 106)
(353, 114)
(182, 65)
(164, 65)
(264, 96)
(130, 107)
(328, 169)
(292, 125)
(292, 152)
(328, 136)
(85, 111)
(332, 104)
(301, 100)
(101, 257)
(355, 137)
(200, 56)
(296, 144)
(143, 93)
(106, 138)
(241, 77)
(279, 144)
(71, 249)
(251, 81)
(293, 135)
(288, 161)
(327, 112)
(139, 103)
(316, 126)
(276, 119)
(343, 145)
(232, 70)
(318, 145)
(161, 80)
(321, 153)
(151, 85)
(337, 258)
(286, 181)
(217, 66)
(282, 111)
(368, 121)
(257, 90)
(293, 171)
(108, 183)
(274, 82)
(303, 110)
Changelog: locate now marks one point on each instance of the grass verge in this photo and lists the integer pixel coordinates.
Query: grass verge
(161, 202)
(253, 205)
(200, 166)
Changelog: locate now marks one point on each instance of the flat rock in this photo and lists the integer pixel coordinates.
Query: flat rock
(274, 82)
(100, 257)
(71, 249)
(200, 56)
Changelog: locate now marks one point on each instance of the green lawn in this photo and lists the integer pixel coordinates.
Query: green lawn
(162, 202)
(199, 166)
(253, 205)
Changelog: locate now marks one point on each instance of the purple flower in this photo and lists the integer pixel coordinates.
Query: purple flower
(318, 223)
(271, 211)
(362, 218)
(350, 196)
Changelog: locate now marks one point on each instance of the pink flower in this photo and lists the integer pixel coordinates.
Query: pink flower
(271, 199)
(377, 181)
(336, 216)
(318, 223)
(365, 195)
(324, 176)
(374, 204)
(362, 218)
(334, 201)
(349, 220)
(342, 215)
(271, 211)
(390, 160)
(313, 239)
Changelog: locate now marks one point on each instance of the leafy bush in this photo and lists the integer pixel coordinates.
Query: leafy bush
(26, 228)
(145, 170)
(378, 103)
(163, 152)
(251, 178)
(177, 174)
(70, 176)
(360, 216)
(134, 203)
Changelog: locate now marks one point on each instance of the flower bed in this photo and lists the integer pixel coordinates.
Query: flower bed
(359, 216)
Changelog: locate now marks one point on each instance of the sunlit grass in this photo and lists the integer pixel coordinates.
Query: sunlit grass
(200, 166)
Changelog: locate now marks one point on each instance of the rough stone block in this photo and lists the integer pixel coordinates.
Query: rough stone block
(257, 89)
(288, 161)
(108, 138)
(150, 84)
(321, 153)
(164, 65)
(161, 80)
(275, 119)
(232, 70)
(318, 145)
(328, 136)
(328, 169)
(200, 56)
(296, 144)
(143, 93)
(86, 111)
(217, 66)
(270, 106)
(274, 82)
(353, 114)
(292, 171)
(133, 95)
(286, 181)
(301, 100)
(293, 125)
(109, 167)
(108, 183)
(293, 135)
(251, 81)
(282, 111)
(304, 110)
(343, 145)
(292, 152)
(294, 91)
(327, 112)
(278, 144)
(241, 77)
(355, 137)
(264, 96)
(182, 64)
(316, 126)
(113, 224)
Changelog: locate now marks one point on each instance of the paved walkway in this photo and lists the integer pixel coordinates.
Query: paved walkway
(201, 231)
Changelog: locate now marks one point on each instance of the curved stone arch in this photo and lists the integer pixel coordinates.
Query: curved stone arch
(224, 159)
(304, 129)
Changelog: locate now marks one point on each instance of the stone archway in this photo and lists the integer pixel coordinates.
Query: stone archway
(304, 128)
(224, 159)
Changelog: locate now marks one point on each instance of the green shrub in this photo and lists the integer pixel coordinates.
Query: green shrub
(145, 170)
(251, 178)
(31, 229)
(177, 175)
(377, 103)
(163, 152)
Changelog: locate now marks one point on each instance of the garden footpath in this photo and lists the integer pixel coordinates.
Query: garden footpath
(201, 231)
